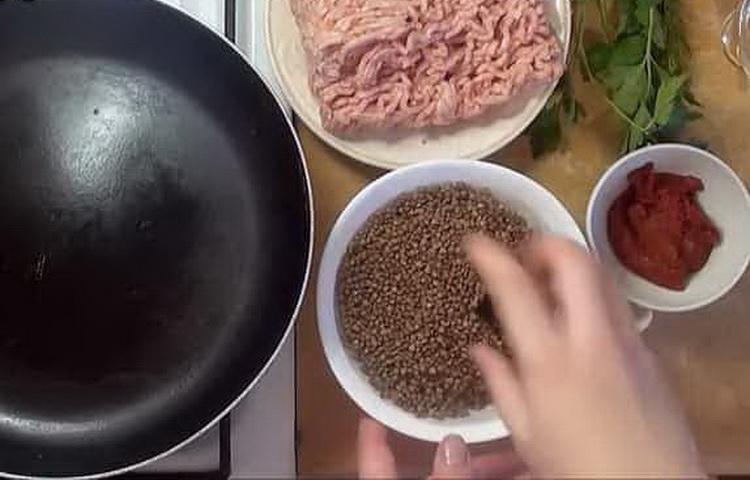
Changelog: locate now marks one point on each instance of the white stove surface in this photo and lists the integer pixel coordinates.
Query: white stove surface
(263, 424)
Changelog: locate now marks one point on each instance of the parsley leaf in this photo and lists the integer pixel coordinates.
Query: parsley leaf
(637, 59)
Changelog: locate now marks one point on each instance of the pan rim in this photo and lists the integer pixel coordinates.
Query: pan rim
(300, 295)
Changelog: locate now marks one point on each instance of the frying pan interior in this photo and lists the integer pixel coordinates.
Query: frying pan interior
(154, 232)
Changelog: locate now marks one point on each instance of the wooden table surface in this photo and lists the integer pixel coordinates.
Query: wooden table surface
(706, 353)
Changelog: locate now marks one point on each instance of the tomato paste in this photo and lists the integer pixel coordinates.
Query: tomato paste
(658, 229)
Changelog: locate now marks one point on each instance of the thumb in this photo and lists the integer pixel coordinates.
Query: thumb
(452, 459)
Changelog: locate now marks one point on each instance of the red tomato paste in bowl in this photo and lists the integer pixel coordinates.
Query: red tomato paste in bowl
(658, 230)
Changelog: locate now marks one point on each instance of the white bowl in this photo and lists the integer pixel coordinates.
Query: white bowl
(725, 199)
(540, 208)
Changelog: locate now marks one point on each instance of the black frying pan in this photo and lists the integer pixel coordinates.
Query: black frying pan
(155, 232)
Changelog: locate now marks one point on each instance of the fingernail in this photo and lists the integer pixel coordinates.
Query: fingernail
(454, 452)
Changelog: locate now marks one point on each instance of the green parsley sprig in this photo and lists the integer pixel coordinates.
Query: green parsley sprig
(637, 61)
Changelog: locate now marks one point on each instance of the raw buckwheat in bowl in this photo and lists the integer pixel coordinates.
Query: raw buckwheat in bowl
(399, 305)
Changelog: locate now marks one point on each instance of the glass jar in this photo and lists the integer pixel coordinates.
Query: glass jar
(735, 36)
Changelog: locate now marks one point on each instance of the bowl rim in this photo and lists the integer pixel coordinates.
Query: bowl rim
(675, 147)
(329, 265)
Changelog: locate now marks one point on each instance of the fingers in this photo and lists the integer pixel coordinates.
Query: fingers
(452, 459)
(504, 387)
(571, 274)
(586, 297)
(624, 316)
(505, 464)
(375, 458)
(516, 298)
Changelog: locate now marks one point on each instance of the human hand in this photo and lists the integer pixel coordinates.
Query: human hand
(581, 394)
(452, 458)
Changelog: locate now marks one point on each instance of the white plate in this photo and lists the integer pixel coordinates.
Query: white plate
(470, 140)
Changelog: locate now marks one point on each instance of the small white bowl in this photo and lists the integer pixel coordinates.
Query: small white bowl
(540, 208)
(725, 199)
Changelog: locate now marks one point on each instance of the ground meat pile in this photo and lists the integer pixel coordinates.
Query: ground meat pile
(411, 305)
(377, 64)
